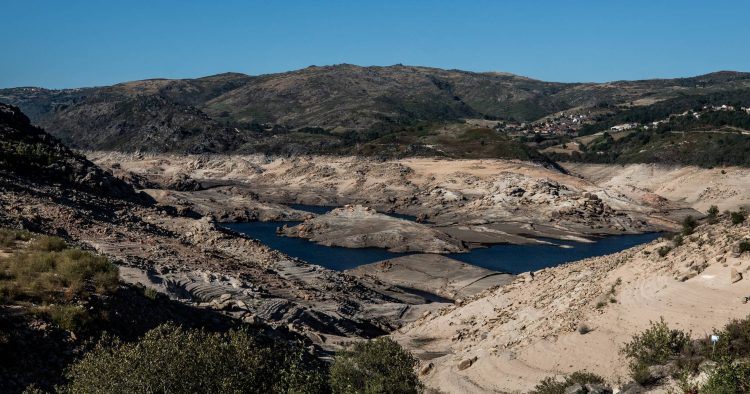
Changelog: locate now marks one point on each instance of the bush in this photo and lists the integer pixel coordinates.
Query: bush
(69, 317)
(169, 359)
(734, 341)
(553, 386)
(737, 217)
(744, 246)
(688, 225)
(664, 250)
(713, 213)
(47, 244)
(48, 272)
(640, 374)
(655, 346)
(9, 237)
(728, 377)
(377, 366)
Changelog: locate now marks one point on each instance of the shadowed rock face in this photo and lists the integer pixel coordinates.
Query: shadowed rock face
(29, 152)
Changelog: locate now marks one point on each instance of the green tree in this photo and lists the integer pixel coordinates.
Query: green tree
(169, 359)
(377, 366)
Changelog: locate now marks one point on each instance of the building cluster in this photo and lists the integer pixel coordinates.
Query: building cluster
(562, 124)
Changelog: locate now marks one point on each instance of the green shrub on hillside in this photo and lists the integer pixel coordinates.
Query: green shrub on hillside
(655, 346)
(377, 366)
(46, 243)
(8, 237)
(169, 359)
(713, 214)
(688, 225)
(55, 278)
(737, 217)
(553, 386)
(728, 378)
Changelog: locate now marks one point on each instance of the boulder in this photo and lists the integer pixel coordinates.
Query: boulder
(598, 388)
(632, 388)
(658, 372)
(426, 369)
(575, 389)
(734, 275)
(466, 363)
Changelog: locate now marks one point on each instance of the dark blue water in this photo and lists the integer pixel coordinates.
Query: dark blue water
(328, 256)
(515, 259)
(503, 258)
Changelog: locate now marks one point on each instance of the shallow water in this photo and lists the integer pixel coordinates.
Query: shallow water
(503, 258)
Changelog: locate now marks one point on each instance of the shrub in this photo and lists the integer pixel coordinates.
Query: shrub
(734, 341)
(68, 317)
(688, 225)
(47, 272)
(377, 366)
(9, 237)
(584, 328)
(150, 293)
(713, 213)
(737, 217)
(664, 250)
(169, 359)
(744, 246)
(47, 244)
(655, 346)
(552, 386)
(728, 377)
(640, 374)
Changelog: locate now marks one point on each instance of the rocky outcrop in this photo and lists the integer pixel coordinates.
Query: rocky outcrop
(29, 152)
(362, 227)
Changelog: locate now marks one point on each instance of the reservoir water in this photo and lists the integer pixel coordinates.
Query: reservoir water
(512, 259)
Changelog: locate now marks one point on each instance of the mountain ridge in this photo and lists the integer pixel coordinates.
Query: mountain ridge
(330, 107)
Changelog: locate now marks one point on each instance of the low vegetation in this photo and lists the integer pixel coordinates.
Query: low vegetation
(737, 217)
(713, 214)
(551, 385)
(378, 366)
(170, 359)
(725, 361)
(48, 272)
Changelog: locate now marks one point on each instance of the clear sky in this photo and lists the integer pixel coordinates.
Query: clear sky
(72, 43)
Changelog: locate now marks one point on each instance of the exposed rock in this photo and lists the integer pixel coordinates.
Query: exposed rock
(361, 227)
(575, 389)
(734, 276)
(426, 369)
(597, 388)
(632, 388)
(466, 363)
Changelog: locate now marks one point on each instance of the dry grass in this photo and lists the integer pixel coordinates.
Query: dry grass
(48, 271)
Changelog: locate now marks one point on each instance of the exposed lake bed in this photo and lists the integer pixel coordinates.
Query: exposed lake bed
(499, 257)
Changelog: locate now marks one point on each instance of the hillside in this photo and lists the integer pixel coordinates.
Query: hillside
(578, 316)
(330, 109)
(29, 152)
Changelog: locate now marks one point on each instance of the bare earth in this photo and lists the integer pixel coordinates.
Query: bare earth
(527, 330)
(476, 201)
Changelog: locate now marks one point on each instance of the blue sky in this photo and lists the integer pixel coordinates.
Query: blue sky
(73, 43)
